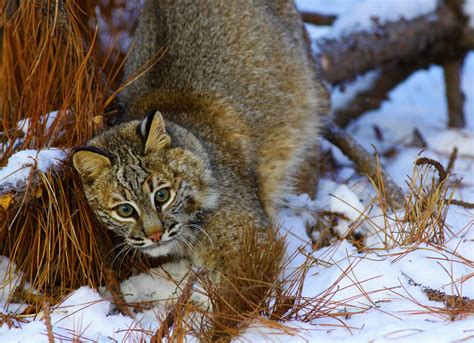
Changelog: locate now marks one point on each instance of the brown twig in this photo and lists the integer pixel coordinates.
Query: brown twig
(452, 160)
(11, 320)
(113, 286)
(363, 161)
(443, 175)
(450, 300)
(318, 18)
(461, 203)
(47, 322)
(438, 166)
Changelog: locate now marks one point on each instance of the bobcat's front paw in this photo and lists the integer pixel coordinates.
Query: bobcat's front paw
(163, 286)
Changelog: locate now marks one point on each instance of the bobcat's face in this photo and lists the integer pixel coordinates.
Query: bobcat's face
(145, 191)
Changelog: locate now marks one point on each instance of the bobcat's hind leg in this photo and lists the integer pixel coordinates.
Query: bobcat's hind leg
(305, 182)
(307, 175)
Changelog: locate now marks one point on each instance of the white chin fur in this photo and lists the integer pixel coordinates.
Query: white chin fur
(160, 250)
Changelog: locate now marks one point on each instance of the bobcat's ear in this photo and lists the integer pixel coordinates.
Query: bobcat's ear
(90, 161)
(153, 130)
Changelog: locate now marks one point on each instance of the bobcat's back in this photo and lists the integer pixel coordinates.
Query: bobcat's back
(251, 56)
(238, 105)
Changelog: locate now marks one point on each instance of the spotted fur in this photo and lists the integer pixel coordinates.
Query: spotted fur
(133, 177)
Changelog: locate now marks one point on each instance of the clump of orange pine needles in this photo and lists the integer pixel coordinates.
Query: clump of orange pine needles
(47, 64)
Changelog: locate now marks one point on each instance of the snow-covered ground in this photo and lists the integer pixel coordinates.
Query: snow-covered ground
(374, 296)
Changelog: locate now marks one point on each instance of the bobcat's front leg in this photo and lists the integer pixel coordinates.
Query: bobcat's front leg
(164, 285)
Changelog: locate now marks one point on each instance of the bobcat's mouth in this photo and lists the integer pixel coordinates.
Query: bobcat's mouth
(161, 248)
(170, 244)
(156, 244)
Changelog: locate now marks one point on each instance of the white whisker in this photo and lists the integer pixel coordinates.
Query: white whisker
(193, 239)
(188, 244)
(195, 226)
(178, 247)
(122, 253)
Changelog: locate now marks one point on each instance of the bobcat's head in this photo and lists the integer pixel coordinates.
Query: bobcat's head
(145, 189)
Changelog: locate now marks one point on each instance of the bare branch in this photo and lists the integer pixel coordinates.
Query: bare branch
(318, 18)
(113, 286)
(390, 77)
(364, 162)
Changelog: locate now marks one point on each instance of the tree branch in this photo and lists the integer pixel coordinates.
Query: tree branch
(318, 18)
(364, 162)
(389, 78)
(454, 95)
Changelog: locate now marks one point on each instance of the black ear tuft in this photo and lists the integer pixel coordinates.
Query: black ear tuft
(90, 162)
(96, 150)
(146, 124)
(154, 133)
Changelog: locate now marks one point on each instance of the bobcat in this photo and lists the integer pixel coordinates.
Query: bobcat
(233, 110)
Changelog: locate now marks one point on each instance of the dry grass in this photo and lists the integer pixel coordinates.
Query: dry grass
(42, 236)
(248, 288)
(257, 291)
(49, 63)
(47, 67)
(421, 222)
(422, 218)
(250, 284)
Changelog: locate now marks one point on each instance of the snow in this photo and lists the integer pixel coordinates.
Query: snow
(365, 15)
(161, 284)
(336, 7)
(381, 293)
(22, 163)
(9, 279)
(377, 296)
(389, 307)
(469, 11)
(398, 118)
(47, 120)
(340, 98)
(445, 141)
(84, 311)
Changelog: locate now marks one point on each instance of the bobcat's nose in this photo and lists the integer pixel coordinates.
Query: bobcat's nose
(155, 236)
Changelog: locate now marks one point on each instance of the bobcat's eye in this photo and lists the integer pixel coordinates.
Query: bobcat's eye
(162, 196)
(125, 210)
